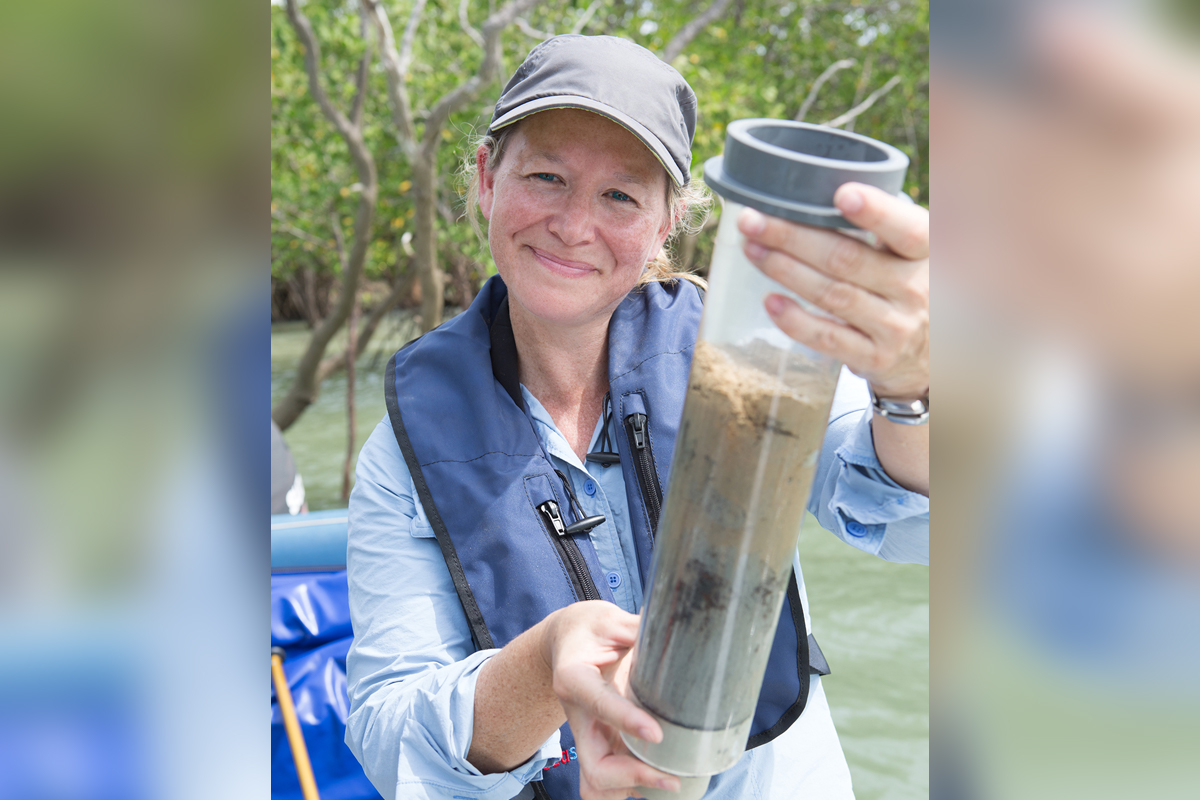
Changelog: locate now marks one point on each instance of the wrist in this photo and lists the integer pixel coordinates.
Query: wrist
(546, 636)
(906, 407)
(916, 388)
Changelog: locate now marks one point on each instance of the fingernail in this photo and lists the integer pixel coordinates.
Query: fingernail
(850, 201)
(755, 250)
(775, 304)
(670, 784)
(648, 734)
(751, 222)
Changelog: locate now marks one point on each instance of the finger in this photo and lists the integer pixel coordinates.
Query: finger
(618, 773)
(606, 766)
(899, 224)
(826, 336)
(584, 688)
(833, 253)
(863, 309)
(608, 622)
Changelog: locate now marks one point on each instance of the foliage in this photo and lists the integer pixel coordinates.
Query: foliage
(760, 59)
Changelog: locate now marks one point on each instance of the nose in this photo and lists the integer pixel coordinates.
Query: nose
(572, 222)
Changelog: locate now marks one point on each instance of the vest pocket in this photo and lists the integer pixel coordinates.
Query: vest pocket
(545, 504)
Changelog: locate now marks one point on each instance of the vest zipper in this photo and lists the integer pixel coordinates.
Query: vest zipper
(568, 550)
(638, 426)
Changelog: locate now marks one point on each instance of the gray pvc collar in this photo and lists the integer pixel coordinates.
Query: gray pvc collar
(792, 169)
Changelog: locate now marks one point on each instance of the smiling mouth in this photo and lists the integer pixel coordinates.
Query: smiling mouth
(562, 265)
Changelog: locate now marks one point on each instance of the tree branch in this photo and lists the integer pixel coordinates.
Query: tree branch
(821, 80)
(865, 104)
(405, 55)
(690, 30)
(456, 98)
(529, 30)
(299, 233)
(396, 64)
(312, 66)
(339, 239)
(475, 35)
(582, 22)
(360, 78)
(860, 88)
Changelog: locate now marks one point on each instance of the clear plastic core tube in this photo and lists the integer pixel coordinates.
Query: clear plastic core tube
(753, 423)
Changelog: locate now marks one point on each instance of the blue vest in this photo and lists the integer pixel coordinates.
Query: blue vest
(486, 483)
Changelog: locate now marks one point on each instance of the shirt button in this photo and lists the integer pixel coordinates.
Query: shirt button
(856, 528)
(589, 486)
(614, 579)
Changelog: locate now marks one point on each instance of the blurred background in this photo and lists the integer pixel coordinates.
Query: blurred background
(134, 387)
(1066, 575)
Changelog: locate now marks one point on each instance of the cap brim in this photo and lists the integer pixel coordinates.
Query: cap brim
(587, 104)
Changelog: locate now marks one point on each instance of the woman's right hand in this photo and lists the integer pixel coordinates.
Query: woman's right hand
(586, 647)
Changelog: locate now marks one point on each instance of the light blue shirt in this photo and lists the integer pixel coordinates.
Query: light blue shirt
(412, 668)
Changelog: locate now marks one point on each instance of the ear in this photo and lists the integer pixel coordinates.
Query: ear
(487, 182)
(672, 218)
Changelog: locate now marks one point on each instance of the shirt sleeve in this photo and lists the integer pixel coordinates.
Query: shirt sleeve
(854, 497)
(411, 669)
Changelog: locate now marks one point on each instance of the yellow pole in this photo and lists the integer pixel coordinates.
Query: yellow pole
(308, 784)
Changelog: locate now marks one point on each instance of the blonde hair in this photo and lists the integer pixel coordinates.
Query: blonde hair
(688, 205)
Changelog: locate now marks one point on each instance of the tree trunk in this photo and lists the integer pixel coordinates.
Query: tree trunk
(314, 312)
(424, 157)
(351, 357)
(306, 385)
(460, 273)
(401, 288)
(433, 285)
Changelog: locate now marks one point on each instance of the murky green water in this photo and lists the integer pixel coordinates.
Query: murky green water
(318, 438)
(872, 618)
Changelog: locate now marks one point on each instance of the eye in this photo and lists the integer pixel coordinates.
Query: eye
(622, 197)
(548, 177)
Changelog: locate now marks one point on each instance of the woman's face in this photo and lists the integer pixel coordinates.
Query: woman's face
(575, 209)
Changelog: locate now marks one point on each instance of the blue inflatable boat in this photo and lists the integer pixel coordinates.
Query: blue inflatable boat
(310, 620)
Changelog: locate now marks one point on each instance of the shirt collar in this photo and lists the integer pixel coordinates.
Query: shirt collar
(549, 434)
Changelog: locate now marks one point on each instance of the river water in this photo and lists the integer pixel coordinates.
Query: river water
(871, 617)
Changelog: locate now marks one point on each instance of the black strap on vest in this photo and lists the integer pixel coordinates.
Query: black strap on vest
(802, 667)
(504, 354)
(480, 636)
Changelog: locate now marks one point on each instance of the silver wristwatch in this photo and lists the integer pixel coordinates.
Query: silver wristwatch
(904, 412)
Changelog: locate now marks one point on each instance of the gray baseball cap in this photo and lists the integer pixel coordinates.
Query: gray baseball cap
(613, 77)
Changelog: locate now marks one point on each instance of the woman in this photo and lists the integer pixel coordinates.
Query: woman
(470, 651)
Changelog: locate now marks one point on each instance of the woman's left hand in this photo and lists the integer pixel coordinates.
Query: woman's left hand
(587, 647)
(881, 293)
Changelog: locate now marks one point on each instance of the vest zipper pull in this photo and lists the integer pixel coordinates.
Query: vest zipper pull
(584, 525)
(639, 431)
(550, 510)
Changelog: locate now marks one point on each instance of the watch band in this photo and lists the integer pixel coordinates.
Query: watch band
(904, 412)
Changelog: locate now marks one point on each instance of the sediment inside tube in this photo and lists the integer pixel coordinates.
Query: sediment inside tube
(752, 428)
